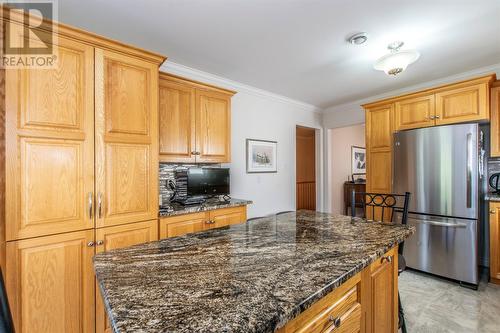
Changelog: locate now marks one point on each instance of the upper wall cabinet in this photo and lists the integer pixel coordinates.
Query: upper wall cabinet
(414, 112)
(379, 127)
(195, 121)
(454, 103)
(469, 102)
(126, 138)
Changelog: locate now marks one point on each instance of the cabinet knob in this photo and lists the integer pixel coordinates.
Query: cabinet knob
(492, 211)
(336, 321)
(90, 244)
(437, 117)
(195, 153)
(100, 242)
(432, 117)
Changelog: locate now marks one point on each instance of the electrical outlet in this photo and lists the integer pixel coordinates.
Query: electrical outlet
(160, 199)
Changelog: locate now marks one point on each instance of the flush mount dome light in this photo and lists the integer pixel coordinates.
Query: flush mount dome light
(396, 61)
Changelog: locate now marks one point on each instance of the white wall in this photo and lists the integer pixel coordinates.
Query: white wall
(341, 139)
(257, 114)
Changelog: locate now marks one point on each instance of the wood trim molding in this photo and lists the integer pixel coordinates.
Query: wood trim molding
(7, 14)
(490, 78)
(195, 83)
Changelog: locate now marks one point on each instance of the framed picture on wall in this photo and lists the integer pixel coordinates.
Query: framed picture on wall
(358, 160)
(261, 156)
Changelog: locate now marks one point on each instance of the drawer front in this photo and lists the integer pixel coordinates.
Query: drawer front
(182, 224)
(344, 315)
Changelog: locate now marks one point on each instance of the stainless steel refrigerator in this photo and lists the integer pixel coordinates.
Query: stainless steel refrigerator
(442, 169)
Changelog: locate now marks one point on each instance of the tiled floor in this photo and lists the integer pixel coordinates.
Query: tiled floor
(434, 305)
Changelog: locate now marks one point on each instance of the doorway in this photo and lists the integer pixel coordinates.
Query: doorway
(305, 166)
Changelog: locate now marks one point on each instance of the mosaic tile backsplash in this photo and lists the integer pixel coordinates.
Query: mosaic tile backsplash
(168, 172)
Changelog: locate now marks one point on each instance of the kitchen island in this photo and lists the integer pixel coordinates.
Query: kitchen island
(268, 274)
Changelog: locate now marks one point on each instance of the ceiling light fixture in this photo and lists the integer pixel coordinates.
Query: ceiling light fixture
(396, 61)
(358, 39)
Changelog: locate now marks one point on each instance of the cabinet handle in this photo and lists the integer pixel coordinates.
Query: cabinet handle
(91, 204)
(492, 211)
(437, 117)
(90, 244)
(100, 242)
(99, 205)
(388, 258)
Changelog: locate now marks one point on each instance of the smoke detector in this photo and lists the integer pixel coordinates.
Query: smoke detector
(358, 39)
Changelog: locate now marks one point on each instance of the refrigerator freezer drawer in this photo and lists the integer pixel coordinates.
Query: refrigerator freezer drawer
(443, 246)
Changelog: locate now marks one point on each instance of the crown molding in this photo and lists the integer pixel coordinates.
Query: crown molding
(356, 105)
(195, 74)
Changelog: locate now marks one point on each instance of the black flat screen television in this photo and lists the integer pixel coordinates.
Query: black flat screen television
(207, 181)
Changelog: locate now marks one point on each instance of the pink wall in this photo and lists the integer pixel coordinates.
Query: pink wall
(341, 140)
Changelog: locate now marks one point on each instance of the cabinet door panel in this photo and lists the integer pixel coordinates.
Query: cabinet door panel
(126, 139)
(379, 172)
(495, 242)
(495, 121)
(114, 238)
(50, 129)
(177, 122)
(379, 127)
(213, 127)
(383, 314)
(414, 112)
(462, 104)
(50, 283)
(182, 225)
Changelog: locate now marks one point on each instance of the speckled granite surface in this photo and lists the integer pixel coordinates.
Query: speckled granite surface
(492, 197)
(251, 277)
(178, 209)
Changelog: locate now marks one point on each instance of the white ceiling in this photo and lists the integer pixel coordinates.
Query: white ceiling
(297, 48)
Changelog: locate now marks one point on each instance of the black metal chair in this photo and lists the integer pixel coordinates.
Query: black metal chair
(6, 324)
(382, 207)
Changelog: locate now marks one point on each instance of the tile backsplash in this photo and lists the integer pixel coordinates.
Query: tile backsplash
(167, 172)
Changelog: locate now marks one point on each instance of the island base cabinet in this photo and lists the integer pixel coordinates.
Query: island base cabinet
(367, 303)
(116, 237)
(50, 283)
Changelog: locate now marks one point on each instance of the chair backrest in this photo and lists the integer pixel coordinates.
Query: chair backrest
(382, 207)
(6, 324)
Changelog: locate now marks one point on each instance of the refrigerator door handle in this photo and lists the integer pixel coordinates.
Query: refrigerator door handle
(469, 170)
(441, 224)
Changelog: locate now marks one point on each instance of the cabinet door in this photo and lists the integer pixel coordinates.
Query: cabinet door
(213, 127)
(227, 216)
(379, 127)
(462, 104)
(383, 312)
(50, 283)
(50, 139)
(414, 112)
(177, 122)
(495, 121)
(182, 224)
(114, 238)
(495, 242)
(379, 172)
(126, 98)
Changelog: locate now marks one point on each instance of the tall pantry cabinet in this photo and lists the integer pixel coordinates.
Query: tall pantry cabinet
(81, 165)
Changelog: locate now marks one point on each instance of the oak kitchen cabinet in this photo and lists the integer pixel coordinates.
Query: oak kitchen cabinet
(114, 238)
(367, 302)
(179, 225)
(495, 120)
(81, 148)
(495, 242)
(195, 121)
(464, 101)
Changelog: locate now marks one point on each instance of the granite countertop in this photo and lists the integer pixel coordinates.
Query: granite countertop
(178, 209)
(251, 277)
(492, 196)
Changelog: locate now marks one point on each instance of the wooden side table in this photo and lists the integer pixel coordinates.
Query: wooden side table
(348, 188)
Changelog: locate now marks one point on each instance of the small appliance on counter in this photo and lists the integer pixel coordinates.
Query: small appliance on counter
(494, 182)
(204, 183)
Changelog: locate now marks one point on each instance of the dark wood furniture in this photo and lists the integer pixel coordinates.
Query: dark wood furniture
(348, 188)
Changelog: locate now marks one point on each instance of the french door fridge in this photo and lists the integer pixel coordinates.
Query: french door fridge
(440, 167)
